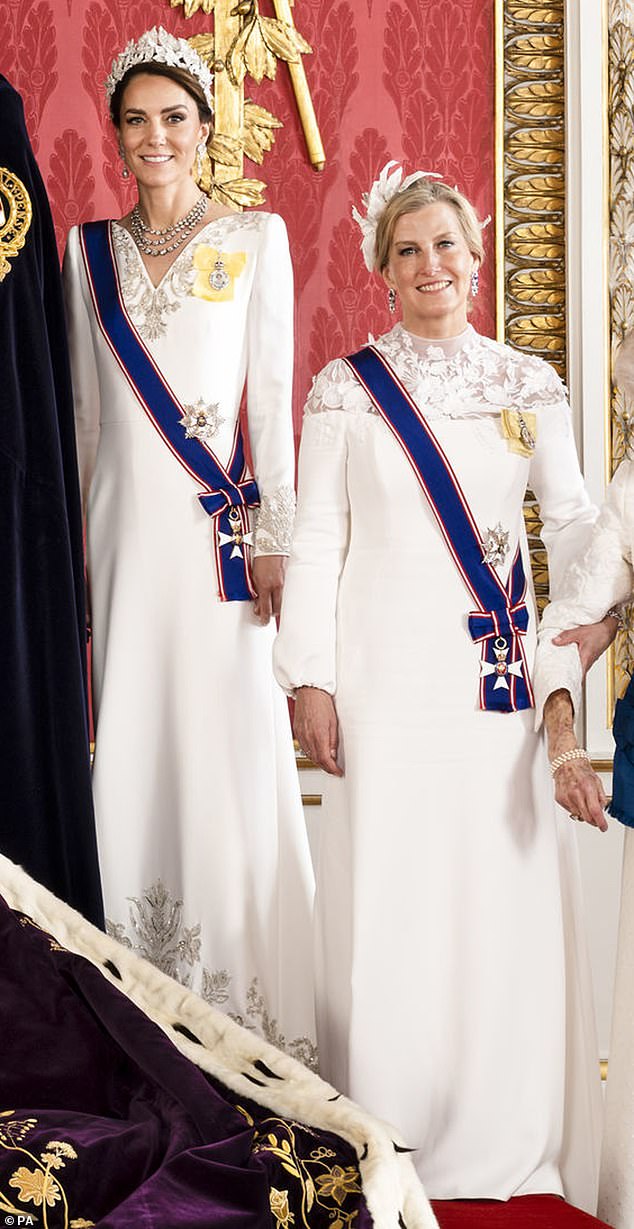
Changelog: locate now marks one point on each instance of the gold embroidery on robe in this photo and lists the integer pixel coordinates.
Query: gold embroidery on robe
(15, 218)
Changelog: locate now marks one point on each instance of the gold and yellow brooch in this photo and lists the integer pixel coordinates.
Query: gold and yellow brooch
(216, 273)
(521, 431)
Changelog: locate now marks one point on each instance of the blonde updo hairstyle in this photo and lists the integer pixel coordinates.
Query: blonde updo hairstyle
(419, 194)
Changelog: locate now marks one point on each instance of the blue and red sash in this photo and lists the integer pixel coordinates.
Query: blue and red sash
(227, 491)
(501, 618)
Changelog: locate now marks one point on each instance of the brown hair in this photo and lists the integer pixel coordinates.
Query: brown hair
(155, 69)
(419, 194)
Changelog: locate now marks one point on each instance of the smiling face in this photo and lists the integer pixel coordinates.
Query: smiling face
(160, 128)
(430, 267)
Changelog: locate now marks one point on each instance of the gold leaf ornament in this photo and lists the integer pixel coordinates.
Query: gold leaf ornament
(194, 6)
(260, 43)
(258, 131)
(240, 192)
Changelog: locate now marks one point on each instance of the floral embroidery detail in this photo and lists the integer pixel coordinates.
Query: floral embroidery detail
(274, 522)
(35, 1186)
(258, 1019)
(160, 936)
(202, 422)
(215, 986)
(323, 1192)
(151, 306)
(479, 380)
(280, 1209)
(339, 1183)
(216, 273)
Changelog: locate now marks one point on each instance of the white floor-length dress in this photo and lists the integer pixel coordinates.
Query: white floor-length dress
(203, 849)
(453, 991)
(601, 579)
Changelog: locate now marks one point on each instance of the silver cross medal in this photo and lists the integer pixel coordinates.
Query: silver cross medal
(502, 668)
(237, 538)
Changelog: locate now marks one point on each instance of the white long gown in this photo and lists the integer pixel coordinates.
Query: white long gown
(453, 992)
(602, 578)
(202, 841)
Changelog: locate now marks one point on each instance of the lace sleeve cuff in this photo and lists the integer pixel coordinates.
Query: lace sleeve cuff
(274, 522)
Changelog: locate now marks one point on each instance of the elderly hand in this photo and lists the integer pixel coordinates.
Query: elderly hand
(577, 787)
(591, 640)
(268, 582)
(317, 728)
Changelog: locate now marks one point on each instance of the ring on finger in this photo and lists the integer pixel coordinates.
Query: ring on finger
(576, 817)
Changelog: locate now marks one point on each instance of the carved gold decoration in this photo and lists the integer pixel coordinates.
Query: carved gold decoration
(530, 200)
(621, 152)
(245, 43)
(15, 218)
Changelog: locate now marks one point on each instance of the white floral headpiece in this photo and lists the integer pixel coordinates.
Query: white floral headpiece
(157, 46)
(389, 184)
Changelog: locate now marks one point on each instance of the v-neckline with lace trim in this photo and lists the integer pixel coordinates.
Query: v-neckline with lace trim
(154, 287)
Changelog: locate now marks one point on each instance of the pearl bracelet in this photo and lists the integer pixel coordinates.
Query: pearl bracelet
(576, 753)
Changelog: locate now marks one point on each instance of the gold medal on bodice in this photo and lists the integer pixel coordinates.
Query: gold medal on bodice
(15, 218)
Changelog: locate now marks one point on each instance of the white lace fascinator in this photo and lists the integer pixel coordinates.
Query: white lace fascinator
(389, 184)
(156, 46)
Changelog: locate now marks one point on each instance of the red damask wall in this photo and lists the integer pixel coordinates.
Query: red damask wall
(410, 79)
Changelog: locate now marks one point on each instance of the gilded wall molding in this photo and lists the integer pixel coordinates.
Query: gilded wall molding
(621, 264)
(531, 199)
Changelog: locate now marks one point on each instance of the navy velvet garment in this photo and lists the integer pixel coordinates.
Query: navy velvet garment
(622, 804)
(46, 816)
(103, 1120)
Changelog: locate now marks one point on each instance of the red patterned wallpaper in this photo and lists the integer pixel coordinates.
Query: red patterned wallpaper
(410, 79)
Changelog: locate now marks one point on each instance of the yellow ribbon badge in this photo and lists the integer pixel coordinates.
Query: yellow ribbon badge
(217, 272)
(520, 430)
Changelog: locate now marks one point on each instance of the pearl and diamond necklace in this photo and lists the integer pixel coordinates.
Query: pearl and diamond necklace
(159, 241)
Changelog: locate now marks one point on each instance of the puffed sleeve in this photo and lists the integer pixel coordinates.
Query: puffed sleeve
(305, 650)
(269, 389)
(83, 362)
(566, 510)
(599, 579)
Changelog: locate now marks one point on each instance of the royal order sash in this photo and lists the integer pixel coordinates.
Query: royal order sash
(227, 492)
(501, 618)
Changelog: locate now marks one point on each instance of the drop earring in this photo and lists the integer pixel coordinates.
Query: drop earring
(391, 300)
(125, 173)
(475, 283)
(201, 150)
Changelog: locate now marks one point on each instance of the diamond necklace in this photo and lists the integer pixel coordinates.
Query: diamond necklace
(158, 242)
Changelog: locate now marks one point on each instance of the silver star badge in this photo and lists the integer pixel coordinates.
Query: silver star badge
(495, 545)
(201, 422)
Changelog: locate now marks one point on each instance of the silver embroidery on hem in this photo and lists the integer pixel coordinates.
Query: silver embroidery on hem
(156, 931)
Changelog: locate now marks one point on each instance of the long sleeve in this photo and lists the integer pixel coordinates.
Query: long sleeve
(599, 578)
(83, 364)
(566, 510)
(305, 650)
(269, 389)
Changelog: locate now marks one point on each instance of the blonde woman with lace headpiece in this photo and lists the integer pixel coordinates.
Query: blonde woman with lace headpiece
(453, 995)
(172, 309)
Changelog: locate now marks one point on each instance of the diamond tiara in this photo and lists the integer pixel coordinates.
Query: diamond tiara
(157, 46)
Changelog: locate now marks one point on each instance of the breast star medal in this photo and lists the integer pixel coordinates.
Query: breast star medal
(502, 668)
(495, 545)
(236, 539)
(216, 273)
(520, 430)
(201, 422)
(15, 218)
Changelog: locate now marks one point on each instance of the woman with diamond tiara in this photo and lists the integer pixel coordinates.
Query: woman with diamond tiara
(172, 309)
(453, 994)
